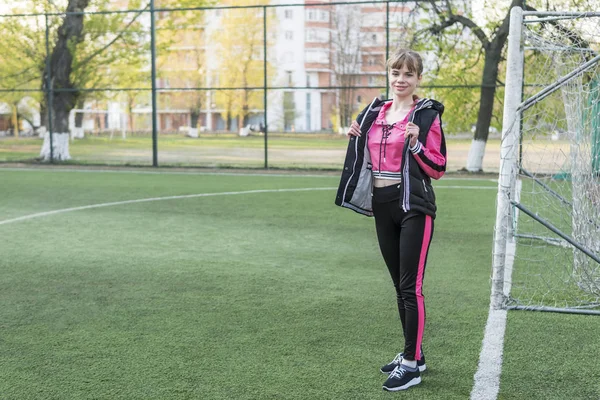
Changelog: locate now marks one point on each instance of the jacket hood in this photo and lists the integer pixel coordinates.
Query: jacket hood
(430, 103)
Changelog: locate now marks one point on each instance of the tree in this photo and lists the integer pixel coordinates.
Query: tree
(82, 50)
(492, 39)
(113, 54)
(346, 40)
(182, 64)
(20, 64)
(241, 62)
(359, 51)
(492, 46)
(69, 35)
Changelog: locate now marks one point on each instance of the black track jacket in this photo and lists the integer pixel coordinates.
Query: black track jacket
(355, 189)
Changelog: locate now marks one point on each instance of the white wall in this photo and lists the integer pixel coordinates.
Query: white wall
(289, 56)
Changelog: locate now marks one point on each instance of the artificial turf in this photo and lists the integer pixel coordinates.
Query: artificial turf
(273, 295)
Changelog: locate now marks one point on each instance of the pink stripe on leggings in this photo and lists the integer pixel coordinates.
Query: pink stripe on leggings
(419, 289)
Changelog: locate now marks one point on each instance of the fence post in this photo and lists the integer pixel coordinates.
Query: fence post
(153, 73)
(49, 88)
(387, 47)
(265, 84)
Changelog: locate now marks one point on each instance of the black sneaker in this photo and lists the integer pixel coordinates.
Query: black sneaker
(388, 368)
(402, 377)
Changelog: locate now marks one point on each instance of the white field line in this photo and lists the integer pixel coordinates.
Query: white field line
(190, 196)
(487, 377)
(486, 383)
(187, 196)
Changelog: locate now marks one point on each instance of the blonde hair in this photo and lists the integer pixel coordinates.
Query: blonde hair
(406, 58)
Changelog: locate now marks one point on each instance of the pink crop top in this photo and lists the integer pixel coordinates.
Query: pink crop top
(385, 143)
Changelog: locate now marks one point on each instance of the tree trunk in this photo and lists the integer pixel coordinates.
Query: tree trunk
(493, 56)
(486, 109)
(245, 108)
(61, 66)
(78, 120)
(79, 116)
(346, 102)
(15, 120)
(193, 129)
(130, 101)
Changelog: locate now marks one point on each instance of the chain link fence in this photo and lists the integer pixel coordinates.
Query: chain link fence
(265, 86)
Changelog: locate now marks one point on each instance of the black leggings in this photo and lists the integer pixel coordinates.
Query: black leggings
(404, 239)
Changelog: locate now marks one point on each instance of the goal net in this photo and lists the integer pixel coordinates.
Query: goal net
(547, 235)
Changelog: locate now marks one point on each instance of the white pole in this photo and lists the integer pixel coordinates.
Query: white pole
(508, 154)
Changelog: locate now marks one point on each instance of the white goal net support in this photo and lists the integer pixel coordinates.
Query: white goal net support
(547, 234)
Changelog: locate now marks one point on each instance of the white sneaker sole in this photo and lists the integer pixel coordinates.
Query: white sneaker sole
(410, 383)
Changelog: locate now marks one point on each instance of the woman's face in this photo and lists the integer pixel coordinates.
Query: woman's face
(403, 82)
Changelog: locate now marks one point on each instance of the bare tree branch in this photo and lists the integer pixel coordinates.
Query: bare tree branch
(453, 19)
(16, 74)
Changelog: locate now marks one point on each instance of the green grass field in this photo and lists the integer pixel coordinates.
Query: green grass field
(264, 295)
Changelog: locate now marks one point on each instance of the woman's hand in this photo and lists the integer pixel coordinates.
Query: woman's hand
(354, 129)
(412, 133)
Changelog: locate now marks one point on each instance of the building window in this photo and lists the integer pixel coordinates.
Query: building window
(288, 14)
(317, 56)
(289, 35)
(311, 14)
(358, 99)
(374, 80)
(317, 35)
(289, 78)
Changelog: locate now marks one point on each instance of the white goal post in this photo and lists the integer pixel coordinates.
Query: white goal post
(546, 252)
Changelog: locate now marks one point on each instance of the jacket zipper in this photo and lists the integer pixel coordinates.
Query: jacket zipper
(425, 103)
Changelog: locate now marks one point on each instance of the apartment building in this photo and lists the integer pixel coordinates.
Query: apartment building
(323, 46)
(314, 48)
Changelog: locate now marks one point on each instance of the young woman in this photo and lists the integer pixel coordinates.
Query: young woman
(396, 147)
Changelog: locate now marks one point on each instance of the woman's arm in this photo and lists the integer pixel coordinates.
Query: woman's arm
(431, 156)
